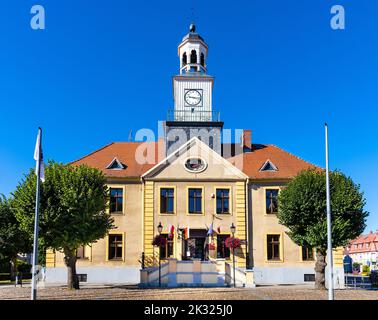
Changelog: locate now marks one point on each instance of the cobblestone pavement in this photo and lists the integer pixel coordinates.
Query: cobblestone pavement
(134, 293)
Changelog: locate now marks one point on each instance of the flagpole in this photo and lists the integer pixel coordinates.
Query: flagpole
(36, 220)
(329, 223)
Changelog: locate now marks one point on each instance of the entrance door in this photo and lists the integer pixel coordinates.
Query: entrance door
(194, 247)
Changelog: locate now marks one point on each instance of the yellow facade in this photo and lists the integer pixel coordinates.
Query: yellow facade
(140, 216)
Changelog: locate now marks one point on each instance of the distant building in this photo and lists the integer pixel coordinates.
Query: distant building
(364, 249)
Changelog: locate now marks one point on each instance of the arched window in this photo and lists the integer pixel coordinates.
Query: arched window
(202, 60)
(193, 56)
(184, 59)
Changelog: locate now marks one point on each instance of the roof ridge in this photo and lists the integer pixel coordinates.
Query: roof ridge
(92, 153)
(294, 156)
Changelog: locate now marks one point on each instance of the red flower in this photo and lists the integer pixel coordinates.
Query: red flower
(211, 246)
(232, 243)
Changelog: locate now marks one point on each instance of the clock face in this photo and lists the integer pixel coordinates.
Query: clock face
(193, 97)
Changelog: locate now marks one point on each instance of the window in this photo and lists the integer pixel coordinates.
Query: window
(222, 251)
(82, 252)
(271, 201)
(115, 249)
(307, 253)
(193, 56)
(167, 251)
(184, 59)
(268, 166)
(116, 200)
(309, 277)
(196, 165)
(167, 200)
(223, 201)
(273, 247)
(195, 200)
(115, 165)
(202, 59)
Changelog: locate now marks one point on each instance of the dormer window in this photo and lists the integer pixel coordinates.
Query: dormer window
(268, 166)
(115, 165)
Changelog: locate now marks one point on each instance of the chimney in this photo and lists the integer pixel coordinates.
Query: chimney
(247, 140)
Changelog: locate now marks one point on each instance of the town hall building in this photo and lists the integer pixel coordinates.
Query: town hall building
(197, 187)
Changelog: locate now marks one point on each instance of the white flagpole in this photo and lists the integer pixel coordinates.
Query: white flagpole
(36, 219)
(329, 224)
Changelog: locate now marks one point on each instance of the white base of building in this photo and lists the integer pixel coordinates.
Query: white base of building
(292, 276)
(281, 276)
(96, 275)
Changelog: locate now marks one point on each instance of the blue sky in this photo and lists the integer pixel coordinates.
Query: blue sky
(102, 68)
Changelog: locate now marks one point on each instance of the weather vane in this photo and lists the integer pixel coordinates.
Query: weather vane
(192, 18)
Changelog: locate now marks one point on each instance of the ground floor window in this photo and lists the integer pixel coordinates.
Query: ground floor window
(115, 250)
(307, 253)
(83, 252)
(222, 251)
(167, 250)
(273, 247)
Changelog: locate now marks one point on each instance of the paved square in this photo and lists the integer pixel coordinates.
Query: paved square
(134, 293)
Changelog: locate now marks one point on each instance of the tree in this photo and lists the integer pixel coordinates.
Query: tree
(72, 210)
(13, 240)
(302, 209)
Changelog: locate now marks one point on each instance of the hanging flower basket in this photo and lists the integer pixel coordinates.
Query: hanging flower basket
(232, 243)
(159, 241)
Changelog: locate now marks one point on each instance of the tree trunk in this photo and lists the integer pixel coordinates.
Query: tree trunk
(70, 262)
(14, 270)
(320, 266)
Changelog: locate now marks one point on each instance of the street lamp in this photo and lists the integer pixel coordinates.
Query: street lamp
(160, 229)
(233, 229)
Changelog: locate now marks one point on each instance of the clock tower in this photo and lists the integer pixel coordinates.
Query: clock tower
(193, 114)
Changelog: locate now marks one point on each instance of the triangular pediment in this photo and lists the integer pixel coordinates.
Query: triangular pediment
(195, 161)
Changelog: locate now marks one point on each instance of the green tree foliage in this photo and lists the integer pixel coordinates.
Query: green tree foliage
(302, 209)
(13, 240)
(72, 210)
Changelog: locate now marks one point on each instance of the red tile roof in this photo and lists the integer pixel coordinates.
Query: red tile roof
(370, 239)
(288, 165)
(124, 152)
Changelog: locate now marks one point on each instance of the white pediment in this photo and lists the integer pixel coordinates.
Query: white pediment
(195, 161)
